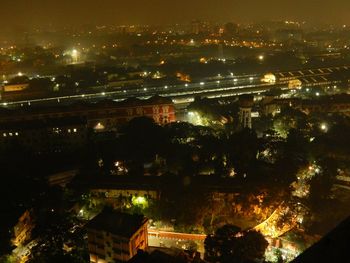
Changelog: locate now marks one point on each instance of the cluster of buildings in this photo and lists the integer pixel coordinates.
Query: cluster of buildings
(327, 104)
(48, 128)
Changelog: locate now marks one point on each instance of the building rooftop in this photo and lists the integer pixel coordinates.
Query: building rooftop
(82, 106)
(117, 223)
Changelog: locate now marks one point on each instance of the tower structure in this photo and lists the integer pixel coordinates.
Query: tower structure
(246, 103)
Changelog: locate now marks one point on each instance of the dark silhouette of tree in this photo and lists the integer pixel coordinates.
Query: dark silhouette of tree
(229, 244)
(321, 184)
(252, 246)
(40, 84)
(294, 156)
(142, 140)
(242, 148)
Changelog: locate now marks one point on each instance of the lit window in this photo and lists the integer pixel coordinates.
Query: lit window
(74, 130)
(4, 134)
(16, 133)
(69, 131)
(10, 134)
(56, 130)
(99, 126)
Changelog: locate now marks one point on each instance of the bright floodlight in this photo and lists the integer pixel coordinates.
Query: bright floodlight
(75, 55)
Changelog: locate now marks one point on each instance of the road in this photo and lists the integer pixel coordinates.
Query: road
(157, 238)
(176, 235)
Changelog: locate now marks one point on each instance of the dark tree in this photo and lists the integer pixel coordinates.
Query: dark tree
(321, 184)
(229, 244)
(243, 147)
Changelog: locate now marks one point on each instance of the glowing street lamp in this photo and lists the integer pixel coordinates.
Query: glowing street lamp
(75, 55)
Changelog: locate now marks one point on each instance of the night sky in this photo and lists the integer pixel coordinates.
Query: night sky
(68, 12)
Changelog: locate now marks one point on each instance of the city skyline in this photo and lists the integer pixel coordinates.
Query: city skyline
(40, 12)
(179, 131)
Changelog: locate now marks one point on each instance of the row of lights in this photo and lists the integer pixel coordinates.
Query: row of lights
(11, 134)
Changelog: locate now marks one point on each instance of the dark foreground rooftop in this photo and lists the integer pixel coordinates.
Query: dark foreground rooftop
(334, 247)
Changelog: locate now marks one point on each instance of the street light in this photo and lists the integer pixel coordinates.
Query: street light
(75, 55)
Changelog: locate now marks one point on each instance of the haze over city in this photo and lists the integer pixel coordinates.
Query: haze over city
(79, 12)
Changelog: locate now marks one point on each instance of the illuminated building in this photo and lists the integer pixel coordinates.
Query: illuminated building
(325, 104)
(65, 128)
(269, 78)
(15, 87)
(45, 135)
(116, 237)
(23, 229)
(102, 116)
(294, 84)
(113, 192)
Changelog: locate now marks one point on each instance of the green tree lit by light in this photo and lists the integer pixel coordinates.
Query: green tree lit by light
(139, 201)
